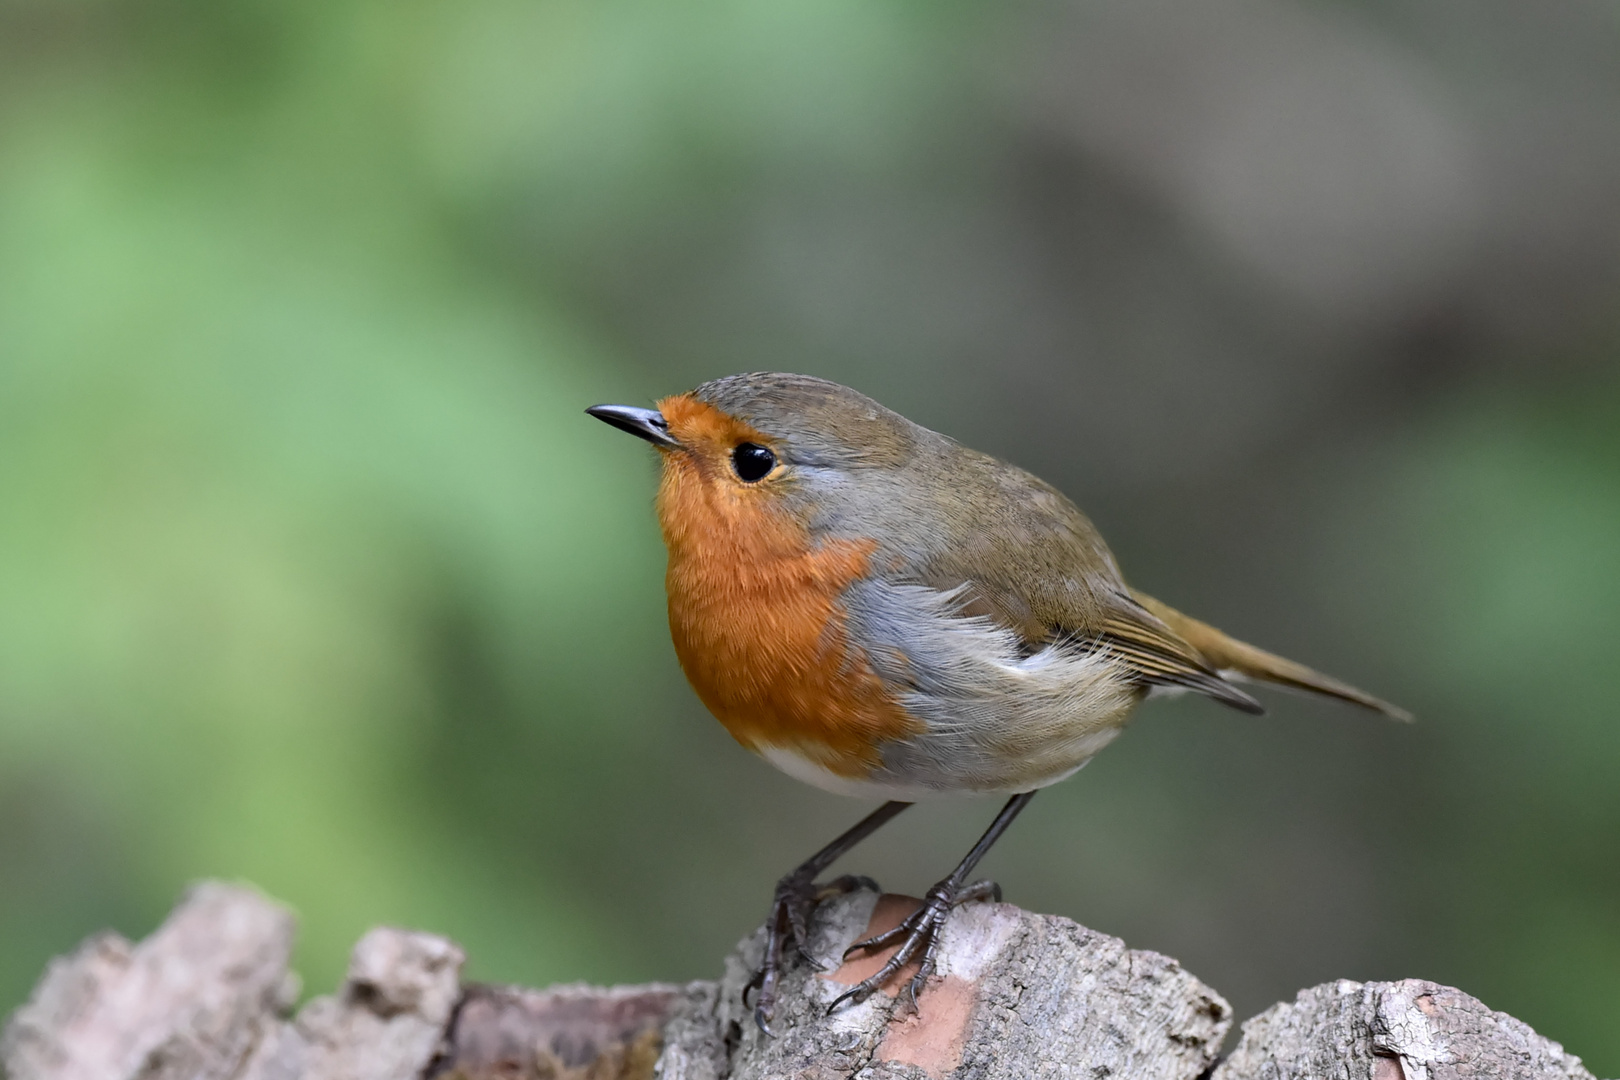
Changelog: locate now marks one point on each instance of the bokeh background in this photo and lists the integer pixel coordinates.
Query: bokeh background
(313, 573)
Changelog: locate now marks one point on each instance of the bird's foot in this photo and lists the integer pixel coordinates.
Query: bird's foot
(796, 898)
(918, 938)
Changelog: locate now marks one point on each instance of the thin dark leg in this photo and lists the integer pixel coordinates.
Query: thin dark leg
(796, 897)
(1014, 807)
(919, 934)
(846, 842)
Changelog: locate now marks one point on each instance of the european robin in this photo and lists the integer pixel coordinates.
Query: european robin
(881, 612)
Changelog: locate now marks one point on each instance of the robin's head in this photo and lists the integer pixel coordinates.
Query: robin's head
(766, 442)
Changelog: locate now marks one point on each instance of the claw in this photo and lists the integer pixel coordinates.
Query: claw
(796, 900)
(866, 987)
(881, 941)
(845, 996)
(918, 937)
(755, 983)
(921, 934)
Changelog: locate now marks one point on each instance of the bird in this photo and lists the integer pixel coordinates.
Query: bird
(881, 612)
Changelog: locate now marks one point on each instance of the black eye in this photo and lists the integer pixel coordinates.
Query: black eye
(752, 461)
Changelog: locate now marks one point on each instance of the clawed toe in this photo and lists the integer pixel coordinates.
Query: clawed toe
(796, 899)
(753, 985)
(880, 941)
(918, 937)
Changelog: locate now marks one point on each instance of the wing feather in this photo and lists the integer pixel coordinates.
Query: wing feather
(1062, 586)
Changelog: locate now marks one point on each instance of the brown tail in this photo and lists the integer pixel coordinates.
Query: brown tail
(1227, 654)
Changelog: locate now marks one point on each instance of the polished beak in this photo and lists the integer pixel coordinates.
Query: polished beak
(646, 424)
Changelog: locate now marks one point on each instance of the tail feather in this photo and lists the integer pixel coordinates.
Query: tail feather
(1231, 657)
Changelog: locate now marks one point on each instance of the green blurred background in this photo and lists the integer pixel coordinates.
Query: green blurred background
(313, 573)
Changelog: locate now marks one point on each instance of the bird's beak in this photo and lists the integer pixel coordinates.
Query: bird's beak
(646, 424)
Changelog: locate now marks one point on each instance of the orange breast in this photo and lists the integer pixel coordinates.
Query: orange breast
(755, 615)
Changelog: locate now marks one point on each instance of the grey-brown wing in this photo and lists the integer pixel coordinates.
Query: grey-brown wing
(1024, 555)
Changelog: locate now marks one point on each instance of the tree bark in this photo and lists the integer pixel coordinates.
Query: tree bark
(208, 997)
(1407, 1030)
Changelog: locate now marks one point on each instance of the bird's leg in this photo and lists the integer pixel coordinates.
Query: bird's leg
(797, 895)
(918, 935)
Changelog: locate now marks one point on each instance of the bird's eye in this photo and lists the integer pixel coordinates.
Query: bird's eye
(752, 461)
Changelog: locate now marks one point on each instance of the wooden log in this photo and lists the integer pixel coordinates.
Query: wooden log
(1408, 1030)
(192, 1000)
(388, 1021)
(564, 1033)
(208, 996)
(1017, 995)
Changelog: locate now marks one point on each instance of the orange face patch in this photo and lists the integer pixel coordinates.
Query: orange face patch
(754, 608)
